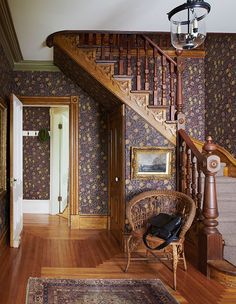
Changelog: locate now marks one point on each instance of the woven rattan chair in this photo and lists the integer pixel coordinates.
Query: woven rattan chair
(150, 203)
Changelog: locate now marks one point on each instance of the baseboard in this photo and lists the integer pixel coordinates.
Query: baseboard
(93, 221)
(36, 206)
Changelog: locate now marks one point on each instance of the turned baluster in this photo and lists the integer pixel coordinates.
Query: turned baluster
(194, 179)
(210, 240)
(121, 59)
(199, 193)
(146, 71)
(128, 56)
(182, 167)
(155, 80)
(138, 66)
(103, 48)
(172, 92)
(164, 68)
(111, 42)
(179, 96)
(188, 172)
(90, 39)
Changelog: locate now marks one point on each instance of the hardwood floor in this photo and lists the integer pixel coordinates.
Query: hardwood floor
(50, 249)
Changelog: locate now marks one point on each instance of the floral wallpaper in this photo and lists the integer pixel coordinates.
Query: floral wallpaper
(93, 134)
(139, 134)
(93, 158)
(220, 67)
(5, 75)
(194, 97)
(36, 155)
(5, 90)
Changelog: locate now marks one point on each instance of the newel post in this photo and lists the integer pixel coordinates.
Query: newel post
(210, 240)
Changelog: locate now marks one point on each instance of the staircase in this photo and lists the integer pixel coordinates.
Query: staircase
(226, 198)
(132, 69)
(129, 69)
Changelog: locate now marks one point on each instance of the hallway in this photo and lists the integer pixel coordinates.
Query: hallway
(50, 249)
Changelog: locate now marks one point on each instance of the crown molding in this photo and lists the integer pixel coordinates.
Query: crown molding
(8, 35)
(35, 65)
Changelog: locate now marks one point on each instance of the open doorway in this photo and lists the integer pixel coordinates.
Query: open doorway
(45, 159)
(16, 211)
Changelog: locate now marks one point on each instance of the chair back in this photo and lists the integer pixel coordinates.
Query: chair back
(149, 203)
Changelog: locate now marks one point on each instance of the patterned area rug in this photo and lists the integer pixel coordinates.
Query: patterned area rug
(53, 291)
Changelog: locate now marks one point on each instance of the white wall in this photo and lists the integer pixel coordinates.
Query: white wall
(34, 20)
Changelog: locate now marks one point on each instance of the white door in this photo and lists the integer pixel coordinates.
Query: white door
(59, 156)
(16, 171)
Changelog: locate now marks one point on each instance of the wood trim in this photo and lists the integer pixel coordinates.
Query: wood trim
(11, 167)
(35, 65)
(8, 35)
(223, 272)
(93, 222)
(73, 103)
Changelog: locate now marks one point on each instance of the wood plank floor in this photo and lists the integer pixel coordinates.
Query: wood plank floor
(50, 249)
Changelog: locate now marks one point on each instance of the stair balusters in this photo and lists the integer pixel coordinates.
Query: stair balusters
(192, 166)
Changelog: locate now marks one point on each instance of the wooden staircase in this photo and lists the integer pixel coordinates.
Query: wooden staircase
(116, 68)
(155, 96)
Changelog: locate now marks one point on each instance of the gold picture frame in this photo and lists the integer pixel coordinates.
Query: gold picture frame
(3, 146)
(151, 162)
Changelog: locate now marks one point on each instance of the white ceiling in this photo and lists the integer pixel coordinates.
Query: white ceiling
(34, 20)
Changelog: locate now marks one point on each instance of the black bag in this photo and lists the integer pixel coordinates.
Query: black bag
(164, 226)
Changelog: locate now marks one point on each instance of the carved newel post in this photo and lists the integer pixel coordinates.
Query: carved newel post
(210, 240)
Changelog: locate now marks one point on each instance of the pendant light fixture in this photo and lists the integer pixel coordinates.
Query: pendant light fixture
(188, 24)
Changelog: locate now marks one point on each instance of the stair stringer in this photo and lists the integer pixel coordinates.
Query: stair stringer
(121, 88)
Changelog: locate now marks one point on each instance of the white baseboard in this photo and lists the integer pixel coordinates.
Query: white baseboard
(36, 206)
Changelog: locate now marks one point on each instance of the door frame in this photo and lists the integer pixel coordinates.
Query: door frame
(73, 103)
(121, 109)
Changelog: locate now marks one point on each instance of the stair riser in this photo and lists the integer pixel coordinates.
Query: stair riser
(226, 207)
(226, 227)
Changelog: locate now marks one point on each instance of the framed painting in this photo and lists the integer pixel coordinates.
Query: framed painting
(3, 145)
(151, 162)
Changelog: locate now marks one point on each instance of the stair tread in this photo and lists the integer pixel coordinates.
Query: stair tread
(227, 179)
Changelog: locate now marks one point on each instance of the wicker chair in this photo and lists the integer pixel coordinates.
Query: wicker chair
(149, 203)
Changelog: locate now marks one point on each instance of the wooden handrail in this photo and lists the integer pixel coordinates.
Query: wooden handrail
(191, 145)
(159, 49)
(224, 155)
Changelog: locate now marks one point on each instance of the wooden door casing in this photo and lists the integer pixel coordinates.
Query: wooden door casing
(117, 173)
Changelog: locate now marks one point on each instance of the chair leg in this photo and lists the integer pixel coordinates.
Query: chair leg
(175, 263)
(183, 256)
(128, 253)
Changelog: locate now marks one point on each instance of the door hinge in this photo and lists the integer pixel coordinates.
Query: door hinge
(59, 198)
(60, 126)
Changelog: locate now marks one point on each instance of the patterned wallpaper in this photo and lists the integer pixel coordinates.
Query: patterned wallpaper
(194, 97)
(93, 158)
(93, 130)
(220, 89)
(140, 134)
(36, 155)
(5, 75)
(5, 90)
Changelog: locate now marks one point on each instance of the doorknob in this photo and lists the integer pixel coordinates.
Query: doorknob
(116, 179)
(12, 180)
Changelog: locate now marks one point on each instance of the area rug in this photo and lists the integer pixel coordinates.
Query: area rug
(103, 291)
